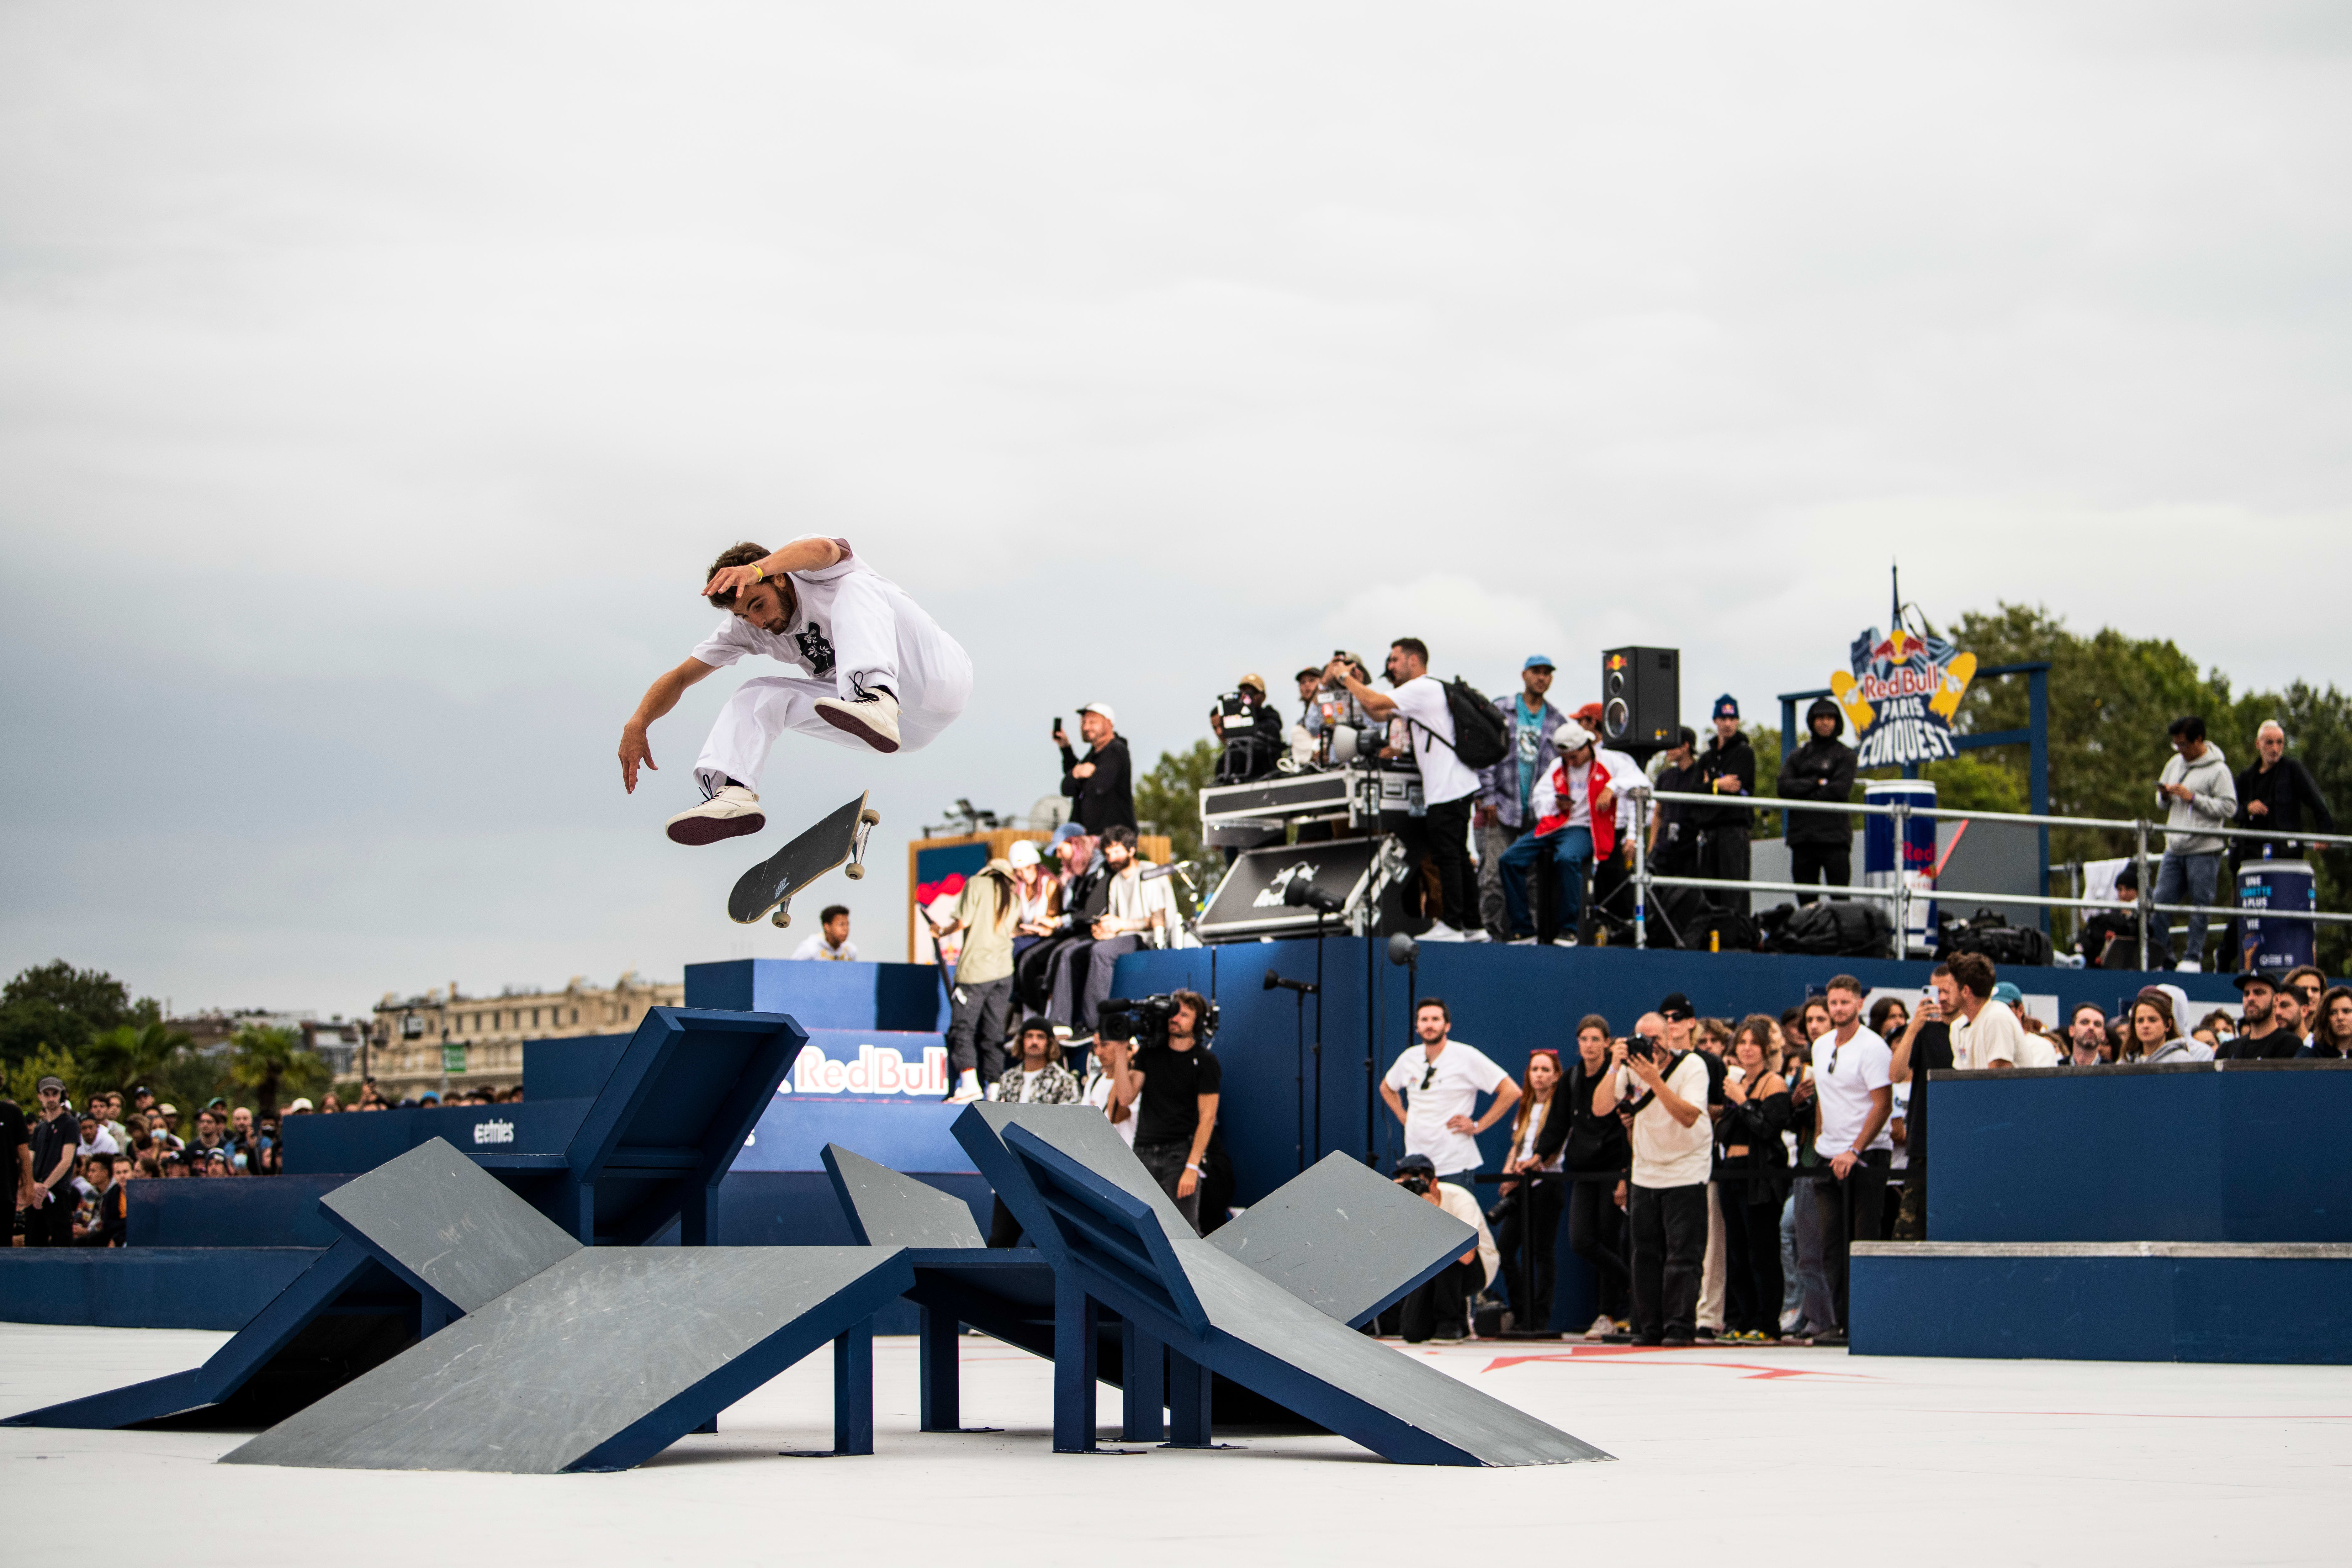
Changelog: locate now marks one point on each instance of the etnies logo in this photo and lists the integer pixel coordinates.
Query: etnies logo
(493, 1133)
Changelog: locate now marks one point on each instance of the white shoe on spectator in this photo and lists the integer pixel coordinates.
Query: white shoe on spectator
(1476, 933)
(967, 1089)
(2187, 966)
(730, 812)
(873, 718)
(1521, 941)
(1602, 1327)
(1565, 938)
(1440, 931)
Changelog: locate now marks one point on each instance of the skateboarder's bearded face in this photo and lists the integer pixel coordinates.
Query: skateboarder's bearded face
(767, 605)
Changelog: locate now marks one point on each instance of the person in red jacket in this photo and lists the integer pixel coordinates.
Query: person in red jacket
(1575, 812)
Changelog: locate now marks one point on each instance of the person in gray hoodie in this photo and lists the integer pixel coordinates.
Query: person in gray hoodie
(2199, 795)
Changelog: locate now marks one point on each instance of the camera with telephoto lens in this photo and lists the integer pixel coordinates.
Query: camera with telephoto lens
(1417, 1182)
(1146, 1021)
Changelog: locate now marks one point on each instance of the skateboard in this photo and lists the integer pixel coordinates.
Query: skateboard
(771, 884)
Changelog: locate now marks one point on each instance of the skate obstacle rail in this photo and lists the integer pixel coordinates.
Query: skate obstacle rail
(1113, 1238)
(1339, 1238)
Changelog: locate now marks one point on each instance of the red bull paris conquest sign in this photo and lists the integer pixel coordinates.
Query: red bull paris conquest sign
(1901, 695)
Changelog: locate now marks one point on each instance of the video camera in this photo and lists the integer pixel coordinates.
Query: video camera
(1251, 734)
(1145, 1021)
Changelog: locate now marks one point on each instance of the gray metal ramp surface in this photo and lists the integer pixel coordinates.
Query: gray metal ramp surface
(596, 1362)
(1320, 1357)
(439, 1217)
(1087, 1134)
(1344, 1238)
(886, 1209)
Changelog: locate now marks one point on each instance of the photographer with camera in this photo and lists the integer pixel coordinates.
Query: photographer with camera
(1175, 1075)
(1448, 785)
(1445, 1077)
(1249, 731)
(1439, 1308)
(1666, 1207)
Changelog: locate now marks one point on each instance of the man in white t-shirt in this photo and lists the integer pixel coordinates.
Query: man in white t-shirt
(831, 939)
(1448, 787)
(876, 674)
(1441, 1078)
(1853, 1102)
(1674, 1156)
(1986, 1035)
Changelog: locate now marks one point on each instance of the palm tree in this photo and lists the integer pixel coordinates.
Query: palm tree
(128, 1055)
(270, 1061)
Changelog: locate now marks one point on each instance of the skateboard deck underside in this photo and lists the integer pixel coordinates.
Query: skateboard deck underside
(773, 881)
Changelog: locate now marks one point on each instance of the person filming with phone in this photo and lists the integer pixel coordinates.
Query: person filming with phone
(1101, 785)
(1666, 1092)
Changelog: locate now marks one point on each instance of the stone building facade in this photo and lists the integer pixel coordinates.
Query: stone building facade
(445, 1041)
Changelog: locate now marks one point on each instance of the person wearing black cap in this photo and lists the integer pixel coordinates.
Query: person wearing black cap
(1439, 1308)
(49, 1206)
(1727, 767)
(1820, 843)
(2263, 1037)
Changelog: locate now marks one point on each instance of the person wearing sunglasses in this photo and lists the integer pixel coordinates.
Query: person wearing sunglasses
(1445, 1077)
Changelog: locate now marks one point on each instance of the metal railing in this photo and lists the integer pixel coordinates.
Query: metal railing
(1901, 894)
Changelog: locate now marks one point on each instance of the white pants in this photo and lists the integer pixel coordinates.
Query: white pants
(880, 638)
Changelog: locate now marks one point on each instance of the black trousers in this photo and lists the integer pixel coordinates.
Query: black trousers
(51, 1225)
(1611, 903)
(1526, 1239)
(1723, 854)
(1851, 1210)
(1751, 1250)
(1831, 865)
(1596, 1233)
(1442, 1303)
(1166, 1163)
(979, 1017)
(1440, 842)
(1669, 1226)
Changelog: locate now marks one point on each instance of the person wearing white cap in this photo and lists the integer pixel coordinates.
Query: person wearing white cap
(1575, 814)
(875, 674)
(1101, 785)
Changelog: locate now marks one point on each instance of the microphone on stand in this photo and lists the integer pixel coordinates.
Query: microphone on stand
(1274, 982)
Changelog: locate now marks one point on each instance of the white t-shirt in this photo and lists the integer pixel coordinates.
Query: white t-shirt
(1463, 1206)
(1462, 1073)
(1665, 1152)
(1844, 1076)
(1444, 777)
(815, 946)
(1623, 774)
(809, 642)
(1995, 1037)
(1097, 1094)
(1901, 1112)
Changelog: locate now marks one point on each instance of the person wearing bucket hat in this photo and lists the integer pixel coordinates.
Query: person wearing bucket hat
(1501, 817)
(1820, 843)
(1575, 818)
(1727, 767)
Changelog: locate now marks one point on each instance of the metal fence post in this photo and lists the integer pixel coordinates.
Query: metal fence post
(1902, 820)
(1640, 868)
(2147, 883)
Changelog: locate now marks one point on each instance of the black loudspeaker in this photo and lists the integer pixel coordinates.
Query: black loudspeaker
(1641, 696)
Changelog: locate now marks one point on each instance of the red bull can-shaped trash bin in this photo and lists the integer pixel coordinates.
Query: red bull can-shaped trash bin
(1917, 862)
(2275, 946)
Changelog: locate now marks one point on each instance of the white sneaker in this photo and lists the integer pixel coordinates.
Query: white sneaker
(1440, 931)
(2187, 966)
(873, 718)
(1601, 1327)
(1476, 933)
(1565, 938)
(967, 1089)
(730, 814)
(1521, 941)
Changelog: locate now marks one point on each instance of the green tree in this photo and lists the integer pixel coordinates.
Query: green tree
(1168, 798)
(270, 1062)
(57, 1005)
(23, 1076)
(131, 1054)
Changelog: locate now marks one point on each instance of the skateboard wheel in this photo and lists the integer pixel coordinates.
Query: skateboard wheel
(782, 916)
(870, 816)
(854, 870)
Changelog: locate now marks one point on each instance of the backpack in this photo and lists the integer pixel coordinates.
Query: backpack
(1481, 736)
(1996, 938)
(1832, 930)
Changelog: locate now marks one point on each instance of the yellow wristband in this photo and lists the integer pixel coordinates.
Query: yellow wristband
(758, 572)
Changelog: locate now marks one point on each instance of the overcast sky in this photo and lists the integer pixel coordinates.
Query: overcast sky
(376, 383)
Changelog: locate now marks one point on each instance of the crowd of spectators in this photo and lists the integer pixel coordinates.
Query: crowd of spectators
(72, 1164)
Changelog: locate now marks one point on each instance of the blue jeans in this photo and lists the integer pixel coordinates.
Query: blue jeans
(2199, 876)
(1571, 849)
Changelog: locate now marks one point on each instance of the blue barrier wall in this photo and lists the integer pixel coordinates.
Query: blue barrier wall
(361, 1141)
(898, 997)
(146, 1287)
(262, 1211)
(2239, 1152)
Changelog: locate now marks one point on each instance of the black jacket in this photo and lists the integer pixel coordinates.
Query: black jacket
(1590, 1143)
(1819, 770)
(2278, 1046)
(1107, 799)
(2286, 790)
(108, 1231)
(1725, 761)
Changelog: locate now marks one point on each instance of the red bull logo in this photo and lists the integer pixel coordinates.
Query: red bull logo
(1901, 695)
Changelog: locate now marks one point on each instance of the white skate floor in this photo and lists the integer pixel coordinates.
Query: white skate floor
(1747, 1455)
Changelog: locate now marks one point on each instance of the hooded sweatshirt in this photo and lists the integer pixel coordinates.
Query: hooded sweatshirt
(1819, 770)
(2213, 801)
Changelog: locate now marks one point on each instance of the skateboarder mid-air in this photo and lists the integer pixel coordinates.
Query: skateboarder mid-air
(875, 673)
